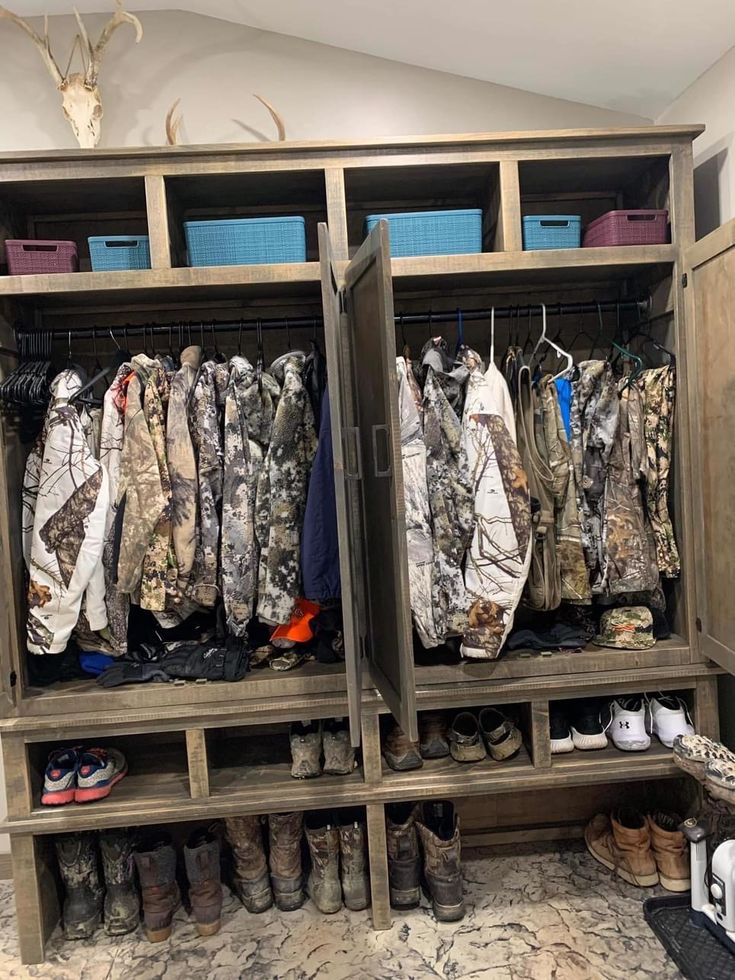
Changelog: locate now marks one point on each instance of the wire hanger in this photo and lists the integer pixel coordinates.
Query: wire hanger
(559, 350)
(492, 335)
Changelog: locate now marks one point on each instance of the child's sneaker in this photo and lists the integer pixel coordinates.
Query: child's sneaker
(99, 770)
(627, 725)
(668, 716)
(60, 779)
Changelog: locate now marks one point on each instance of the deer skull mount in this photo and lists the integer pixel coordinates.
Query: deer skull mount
(80, 94)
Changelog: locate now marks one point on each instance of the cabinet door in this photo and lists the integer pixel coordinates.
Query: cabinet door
(368, 302)
(711, 362)
(12, 607)
(347, 479)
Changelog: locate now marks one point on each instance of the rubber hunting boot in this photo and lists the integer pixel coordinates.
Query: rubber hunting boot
(353, 861)
(439, 833)
(156, 864)
(201, 857)
(284, 838)
(122, 902)
(404, 859)
(323, 885)
(251, 883)
(77, 857)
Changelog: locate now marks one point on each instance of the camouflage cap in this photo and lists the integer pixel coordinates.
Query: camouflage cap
(627, 628)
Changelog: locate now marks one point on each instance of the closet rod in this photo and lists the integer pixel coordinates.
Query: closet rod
(312, 322)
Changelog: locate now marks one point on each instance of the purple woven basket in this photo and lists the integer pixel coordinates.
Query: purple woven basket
(27, 257)
(627, 228)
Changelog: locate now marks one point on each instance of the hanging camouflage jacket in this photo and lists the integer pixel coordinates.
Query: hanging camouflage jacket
(450, 501)
(500, 552)
(243, 460)
(142, 501)
(204, 425)
(658, 386)
(594, 421)
(575, 585)
(281, 494)
(111, 444)
(418, 514)
(66, 495)
(182, 467)
(630, 555)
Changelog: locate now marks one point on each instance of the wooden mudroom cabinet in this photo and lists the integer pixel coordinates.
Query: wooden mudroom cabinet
(190, 745)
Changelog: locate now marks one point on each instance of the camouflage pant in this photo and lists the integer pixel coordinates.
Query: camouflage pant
(630, 564)
(452, 506)
(659, 395)
(281, 494)
(575, 585)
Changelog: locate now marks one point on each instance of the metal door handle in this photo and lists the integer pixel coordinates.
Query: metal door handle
(358, 451)
(376, 468)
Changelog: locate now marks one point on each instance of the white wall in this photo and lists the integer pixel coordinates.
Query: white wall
(215, 66)
(710, 100)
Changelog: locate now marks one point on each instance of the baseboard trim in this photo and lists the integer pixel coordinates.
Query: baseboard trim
(6, 867)
(523, 835)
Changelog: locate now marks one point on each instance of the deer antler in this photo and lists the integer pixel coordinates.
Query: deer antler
(119, 18)
(42, 43)
(172, 124)
(276, 118)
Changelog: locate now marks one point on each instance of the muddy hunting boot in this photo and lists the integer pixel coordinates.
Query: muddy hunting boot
(77, 857)
(284, 838)
(155, 860)
(323, 886)
(404, 859)
(353, 861)
(339, 755)
(306, 749)
(122, 902)
(439, 832)
(201, 857)
(251, 884)
(400, 752)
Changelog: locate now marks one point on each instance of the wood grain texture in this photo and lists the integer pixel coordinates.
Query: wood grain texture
(36, 897)
(509, 235)
(540, 737)
(378, 857)
(157, 212)
(196, 753)
(18, 777)
(334, 178)
(706, 715)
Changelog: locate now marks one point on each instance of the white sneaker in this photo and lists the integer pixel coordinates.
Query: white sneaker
(627, 725)
(668, 716)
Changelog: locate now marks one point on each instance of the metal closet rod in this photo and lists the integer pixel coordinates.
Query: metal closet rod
(311, 322)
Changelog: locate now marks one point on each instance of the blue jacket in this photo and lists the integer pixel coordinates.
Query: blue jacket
(320, 543)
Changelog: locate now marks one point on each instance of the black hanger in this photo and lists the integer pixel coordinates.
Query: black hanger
(260, 360)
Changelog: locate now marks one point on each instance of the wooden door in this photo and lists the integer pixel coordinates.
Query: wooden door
(710, 291)
(347, 478)
(368, 303)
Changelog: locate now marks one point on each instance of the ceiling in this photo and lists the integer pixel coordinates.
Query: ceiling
(632, 55)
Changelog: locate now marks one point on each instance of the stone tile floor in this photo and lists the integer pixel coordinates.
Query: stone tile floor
(533, 913)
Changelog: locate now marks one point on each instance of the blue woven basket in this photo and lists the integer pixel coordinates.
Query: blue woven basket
(246, 241)
(432, 232)
(552, 231)
(112, 253)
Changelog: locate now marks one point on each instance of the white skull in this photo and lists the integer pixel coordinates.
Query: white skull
(82, 106)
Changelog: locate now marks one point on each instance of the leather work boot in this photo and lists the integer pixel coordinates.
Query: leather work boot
(122, 902)
(77, 857)
(323, 886)
(201, 857)
(400, 752)
(404, 860)
(251, 883)
(622, 843)
(353, 860)
(284, 835)
(306, 749)
(155, 860)
(670, 851)
(339, 755)
(439, 832)
(433, 735)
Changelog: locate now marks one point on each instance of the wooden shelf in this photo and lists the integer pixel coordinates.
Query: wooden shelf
(161, 285)
(652, 262)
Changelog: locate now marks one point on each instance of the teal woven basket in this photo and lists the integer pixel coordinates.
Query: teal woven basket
(115, 253)
(246, 241)
(551, 231)
(432, 232)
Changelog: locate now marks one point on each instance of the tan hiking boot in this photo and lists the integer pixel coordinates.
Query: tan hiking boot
(622, 843)
(670, 851)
